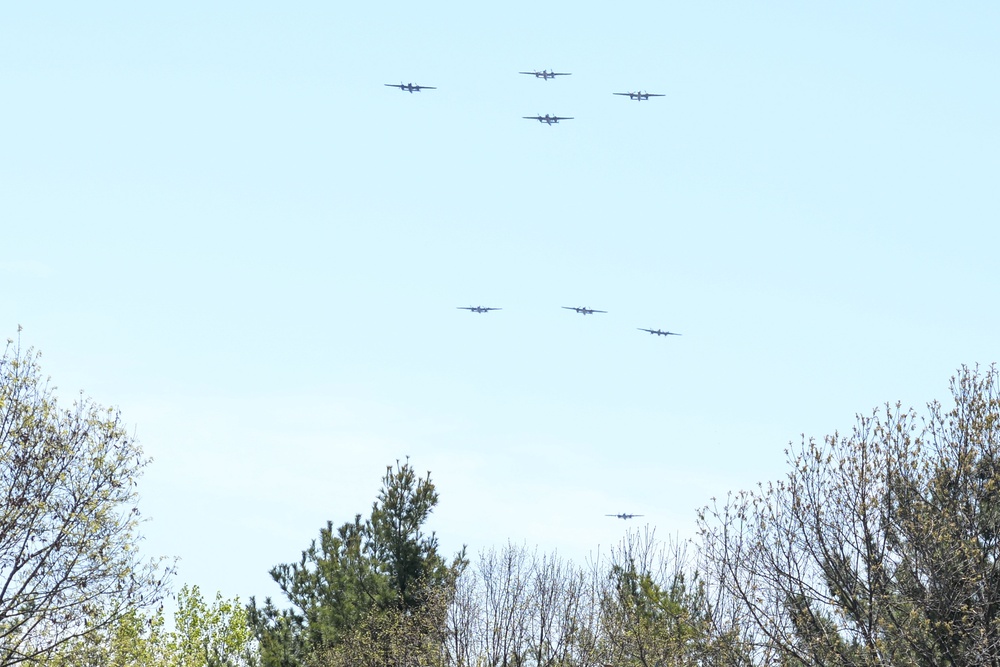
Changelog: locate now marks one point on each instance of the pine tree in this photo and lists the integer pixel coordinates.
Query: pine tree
(360, 586)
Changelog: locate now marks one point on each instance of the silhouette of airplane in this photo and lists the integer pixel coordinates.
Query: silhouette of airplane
(624, 516)
(410, 87)
(546, 74)
(640, 96)
(547, 119)
(660, 333)
(584, 311)
(478, 309)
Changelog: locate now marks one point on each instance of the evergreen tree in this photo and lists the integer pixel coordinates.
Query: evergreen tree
(359, 585)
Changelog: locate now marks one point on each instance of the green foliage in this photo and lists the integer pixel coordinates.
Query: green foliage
(134, 639)
(362, 586)
(69, 560)
(216, 635)
(204, 635)
(654, 611)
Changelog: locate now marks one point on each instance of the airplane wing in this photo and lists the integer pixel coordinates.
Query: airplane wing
(425, 87)
(557, 118)
(559, 73)
(654, 95)
(625, 94)
(395, 85)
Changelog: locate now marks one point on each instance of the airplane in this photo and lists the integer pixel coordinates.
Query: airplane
(547, 119)
(478, 309)
(584, 311)
(660, 333)
(624, 516)
(410, 87)
(546, 74)
(640, 96)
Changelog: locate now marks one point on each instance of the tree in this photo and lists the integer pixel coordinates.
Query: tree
(210, 635)
(654, 609)
(517, 607)
(204, 635)
(133, 640)
(878, 548)
(69, 558)
(360, 588)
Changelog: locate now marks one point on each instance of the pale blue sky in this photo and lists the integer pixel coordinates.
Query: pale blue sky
(220, 219)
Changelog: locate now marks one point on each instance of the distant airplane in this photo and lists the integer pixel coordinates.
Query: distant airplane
(660, 333)
(584, 311)
(478, 309)
(410, 87)
(547, 119)
(624, 516)
(640, 96)
(546, 74)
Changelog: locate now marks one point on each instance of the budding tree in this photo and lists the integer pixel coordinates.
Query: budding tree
(69, 558)
(878, 548)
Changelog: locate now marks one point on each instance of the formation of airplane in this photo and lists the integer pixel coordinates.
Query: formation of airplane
(584, 311)
(579, 309)
(546, 74)
(640, 96)
(410, 87)
(547, 119)
(478, 309)
(550, 120)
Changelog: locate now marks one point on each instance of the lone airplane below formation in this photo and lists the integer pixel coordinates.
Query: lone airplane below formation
(584, 311)
(410, 87)
(546, 74)
(478, 309)
(640, 96)
(660, 333)
(624, 516)
(547, 119)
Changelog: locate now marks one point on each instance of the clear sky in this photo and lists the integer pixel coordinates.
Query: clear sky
(217, 217)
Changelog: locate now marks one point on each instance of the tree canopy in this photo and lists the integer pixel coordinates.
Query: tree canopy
(69, 557)
(881, 547)
(360, 587)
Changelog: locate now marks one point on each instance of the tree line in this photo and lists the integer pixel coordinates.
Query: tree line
(878, 547)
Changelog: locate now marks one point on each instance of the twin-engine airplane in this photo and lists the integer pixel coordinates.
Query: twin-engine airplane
(546, 74)
(584, 311)
(547, 119)
(660, 333)
(624, 516)
(478, 309)
(640, 96)
(410, 87)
